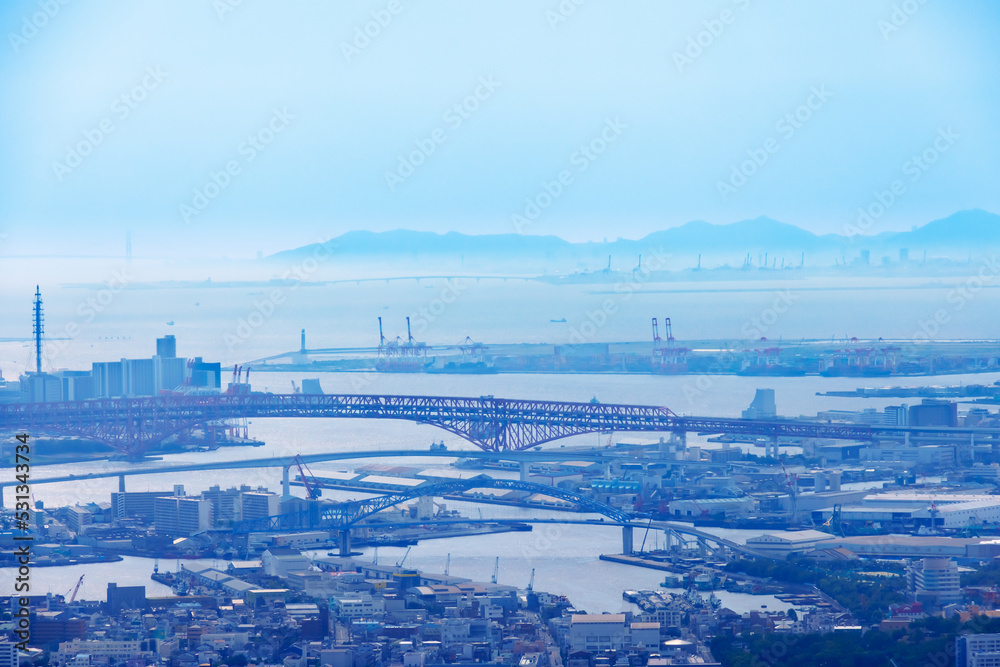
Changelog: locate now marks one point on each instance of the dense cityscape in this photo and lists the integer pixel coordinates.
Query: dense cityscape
(499, 334)
(889, 520)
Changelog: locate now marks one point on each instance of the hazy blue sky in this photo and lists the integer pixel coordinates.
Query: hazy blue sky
(885, 80)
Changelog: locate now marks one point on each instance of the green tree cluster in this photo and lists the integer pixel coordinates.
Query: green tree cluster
(929, 641)
(867, 597)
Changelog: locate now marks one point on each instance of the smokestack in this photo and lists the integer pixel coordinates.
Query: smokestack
(302, 347)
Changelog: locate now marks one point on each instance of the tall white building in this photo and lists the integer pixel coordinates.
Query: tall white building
(934, 581)
(896, 415)
(977, 650)
(168, 372)
(258, 505)
(138, 377)
(180, 515)
(107, 379)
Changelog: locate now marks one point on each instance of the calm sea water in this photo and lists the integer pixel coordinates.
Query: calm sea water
(238, 324)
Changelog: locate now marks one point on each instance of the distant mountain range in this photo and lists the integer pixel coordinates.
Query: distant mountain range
(958, 236)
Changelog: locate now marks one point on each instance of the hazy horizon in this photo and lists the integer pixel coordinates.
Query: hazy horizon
(609, 120)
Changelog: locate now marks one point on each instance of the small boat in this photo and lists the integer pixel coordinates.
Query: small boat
(694, 598)
(170, 323)
(559, 320)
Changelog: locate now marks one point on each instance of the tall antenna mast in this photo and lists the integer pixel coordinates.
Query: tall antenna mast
(38, 329)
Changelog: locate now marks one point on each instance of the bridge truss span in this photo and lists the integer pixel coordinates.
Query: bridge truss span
(132, 425)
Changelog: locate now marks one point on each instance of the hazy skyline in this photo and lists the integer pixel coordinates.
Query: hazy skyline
(297, 121)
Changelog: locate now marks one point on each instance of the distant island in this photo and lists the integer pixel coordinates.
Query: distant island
(965, 236)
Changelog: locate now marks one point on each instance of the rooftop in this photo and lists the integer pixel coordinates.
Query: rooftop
(598, 618)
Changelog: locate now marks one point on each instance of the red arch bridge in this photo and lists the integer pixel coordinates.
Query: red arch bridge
(132, 425)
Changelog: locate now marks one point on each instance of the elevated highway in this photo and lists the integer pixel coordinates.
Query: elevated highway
(287, 462)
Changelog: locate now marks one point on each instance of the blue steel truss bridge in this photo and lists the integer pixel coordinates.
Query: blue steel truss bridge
(133, 425)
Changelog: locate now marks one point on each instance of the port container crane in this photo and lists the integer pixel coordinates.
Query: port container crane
(668, 329)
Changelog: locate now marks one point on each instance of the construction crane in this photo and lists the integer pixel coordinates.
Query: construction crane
(531, 582)
(705, 513)
(312, 491)
(403, 559)
(76, 589)
(792, 495)
(496, 570)
(295, 389)
(834, 522)
(642, 548)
